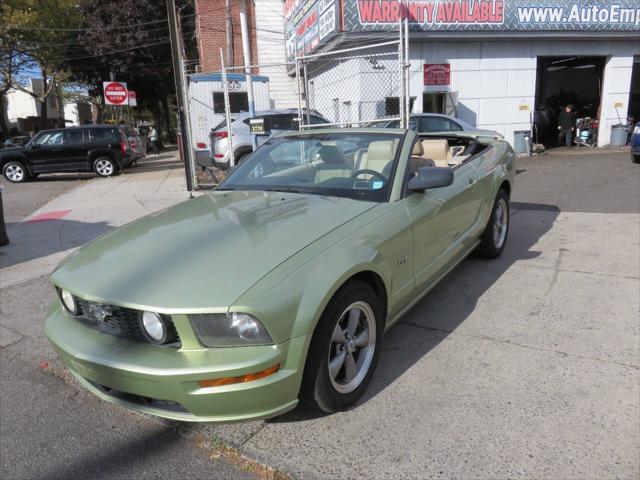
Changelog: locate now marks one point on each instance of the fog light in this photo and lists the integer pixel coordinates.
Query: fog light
(69, 302)
(154, 327)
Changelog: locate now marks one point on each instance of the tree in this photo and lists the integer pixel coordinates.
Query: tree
(136, 51)
(37, 33)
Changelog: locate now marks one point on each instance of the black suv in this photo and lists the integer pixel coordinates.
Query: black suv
(103, 149)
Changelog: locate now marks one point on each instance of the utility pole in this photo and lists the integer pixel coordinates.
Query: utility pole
(181, 92)
(246, 52)
(229, 31)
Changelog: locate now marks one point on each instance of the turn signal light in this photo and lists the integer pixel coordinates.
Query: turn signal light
(219, 382)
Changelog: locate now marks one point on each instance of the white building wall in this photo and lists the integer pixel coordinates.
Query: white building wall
(496, 81)
(20, 105)
(271, 50)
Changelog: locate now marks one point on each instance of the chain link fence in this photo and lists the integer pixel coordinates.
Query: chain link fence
(234, 111)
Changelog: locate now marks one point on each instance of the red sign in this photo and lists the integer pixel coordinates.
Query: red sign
(437, 74)
(115, 93)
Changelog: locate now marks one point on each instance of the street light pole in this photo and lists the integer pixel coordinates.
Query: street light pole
(181, 93)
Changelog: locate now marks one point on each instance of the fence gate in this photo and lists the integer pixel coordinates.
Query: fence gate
(234, 111)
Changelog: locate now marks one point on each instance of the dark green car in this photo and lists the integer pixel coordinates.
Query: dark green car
(279, 285)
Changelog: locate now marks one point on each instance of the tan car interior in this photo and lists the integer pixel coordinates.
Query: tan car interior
(438, 151)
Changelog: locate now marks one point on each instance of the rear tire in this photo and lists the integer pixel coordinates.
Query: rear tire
(344, 349)
(635, 158)
(104, 167)
(494, 238)
(15, 172)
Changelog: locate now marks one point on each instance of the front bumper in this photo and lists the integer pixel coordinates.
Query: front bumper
(163, 381)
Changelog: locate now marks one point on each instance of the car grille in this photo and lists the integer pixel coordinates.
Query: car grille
(114, 320)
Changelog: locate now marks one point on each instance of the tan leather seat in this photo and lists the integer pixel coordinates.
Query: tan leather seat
(437, 149)
(417, 158)
(378, 156)
(335, 164)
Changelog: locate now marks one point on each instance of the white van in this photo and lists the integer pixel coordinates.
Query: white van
(206, 105)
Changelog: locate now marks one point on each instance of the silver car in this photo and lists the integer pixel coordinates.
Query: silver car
(436, 122)
(277, 121)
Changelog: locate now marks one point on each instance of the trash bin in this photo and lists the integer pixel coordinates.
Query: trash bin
(522, 141)
(618, 135)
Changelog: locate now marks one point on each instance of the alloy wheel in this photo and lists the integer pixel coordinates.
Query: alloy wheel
(501, 223)
(104, 168)
(15, 173)
(352, 347)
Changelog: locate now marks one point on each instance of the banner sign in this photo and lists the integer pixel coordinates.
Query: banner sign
(115, 93)
(308, 24)
(437, 74)
(493, 15)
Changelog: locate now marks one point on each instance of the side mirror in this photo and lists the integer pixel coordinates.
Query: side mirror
(431, 177)
(33, 146)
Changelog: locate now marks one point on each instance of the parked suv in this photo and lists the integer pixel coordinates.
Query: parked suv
(103, 149)
(277, 121)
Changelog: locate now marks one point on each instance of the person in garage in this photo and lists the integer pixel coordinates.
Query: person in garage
(566, 126)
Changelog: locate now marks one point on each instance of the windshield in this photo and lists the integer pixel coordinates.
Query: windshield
(350, 164)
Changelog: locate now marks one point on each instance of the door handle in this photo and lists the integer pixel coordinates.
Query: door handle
(472, 182)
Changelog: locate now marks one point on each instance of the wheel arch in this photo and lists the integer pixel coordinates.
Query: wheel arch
(506, 186)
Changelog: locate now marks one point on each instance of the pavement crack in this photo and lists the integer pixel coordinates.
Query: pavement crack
(521, 345)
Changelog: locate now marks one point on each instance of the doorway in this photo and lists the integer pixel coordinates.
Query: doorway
(567, 80)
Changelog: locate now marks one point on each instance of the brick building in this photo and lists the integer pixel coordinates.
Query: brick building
(211, 30)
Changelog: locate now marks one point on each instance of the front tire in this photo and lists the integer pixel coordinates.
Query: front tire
(15, 172)
(344, 349)
(104, 167)
(494, 238)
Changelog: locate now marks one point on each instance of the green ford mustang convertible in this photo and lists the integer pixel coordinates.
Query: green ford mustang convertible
(279, 285)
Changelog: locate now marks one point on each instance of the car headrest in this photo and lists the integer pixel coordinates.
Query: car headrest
(417, 151)
(380, 150)
(331, 154)
(435, 148)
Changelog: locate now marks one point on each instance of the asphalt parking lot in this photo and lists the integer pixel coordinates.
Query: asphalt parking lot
(523, 367)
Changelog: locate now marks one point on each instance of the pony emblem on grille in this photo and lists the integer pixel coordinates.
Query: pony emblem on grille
(99, 312)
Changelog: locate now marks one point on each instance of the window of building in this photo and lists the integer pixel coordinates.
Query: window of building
(238, 102)
(392, 106)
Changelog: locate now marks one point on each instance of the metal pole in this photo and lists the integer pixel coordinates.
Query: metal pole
(401, 74)
(181, 96)
(246, 53)
(227, 110)
(306, 93)
(299, 91)
(407, 76)
(229, 31)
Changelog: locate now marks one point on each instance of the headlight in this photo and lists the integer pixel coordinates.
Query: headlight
(229, 330)
(156, 328)
(69, 302)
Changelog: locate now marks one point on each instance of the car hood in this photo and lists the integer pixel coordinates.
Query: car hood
(204, 253)
(11, 150)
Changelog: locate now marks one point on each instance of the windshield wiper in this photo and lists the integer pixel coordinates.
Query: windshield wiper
(289, 190)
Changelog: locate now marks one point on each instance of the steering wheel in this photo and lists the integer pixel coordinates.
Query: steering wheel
(369, 172)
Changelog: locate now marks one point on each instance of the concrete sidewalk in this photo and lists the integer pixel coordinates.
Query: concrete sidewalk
(45, 237)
